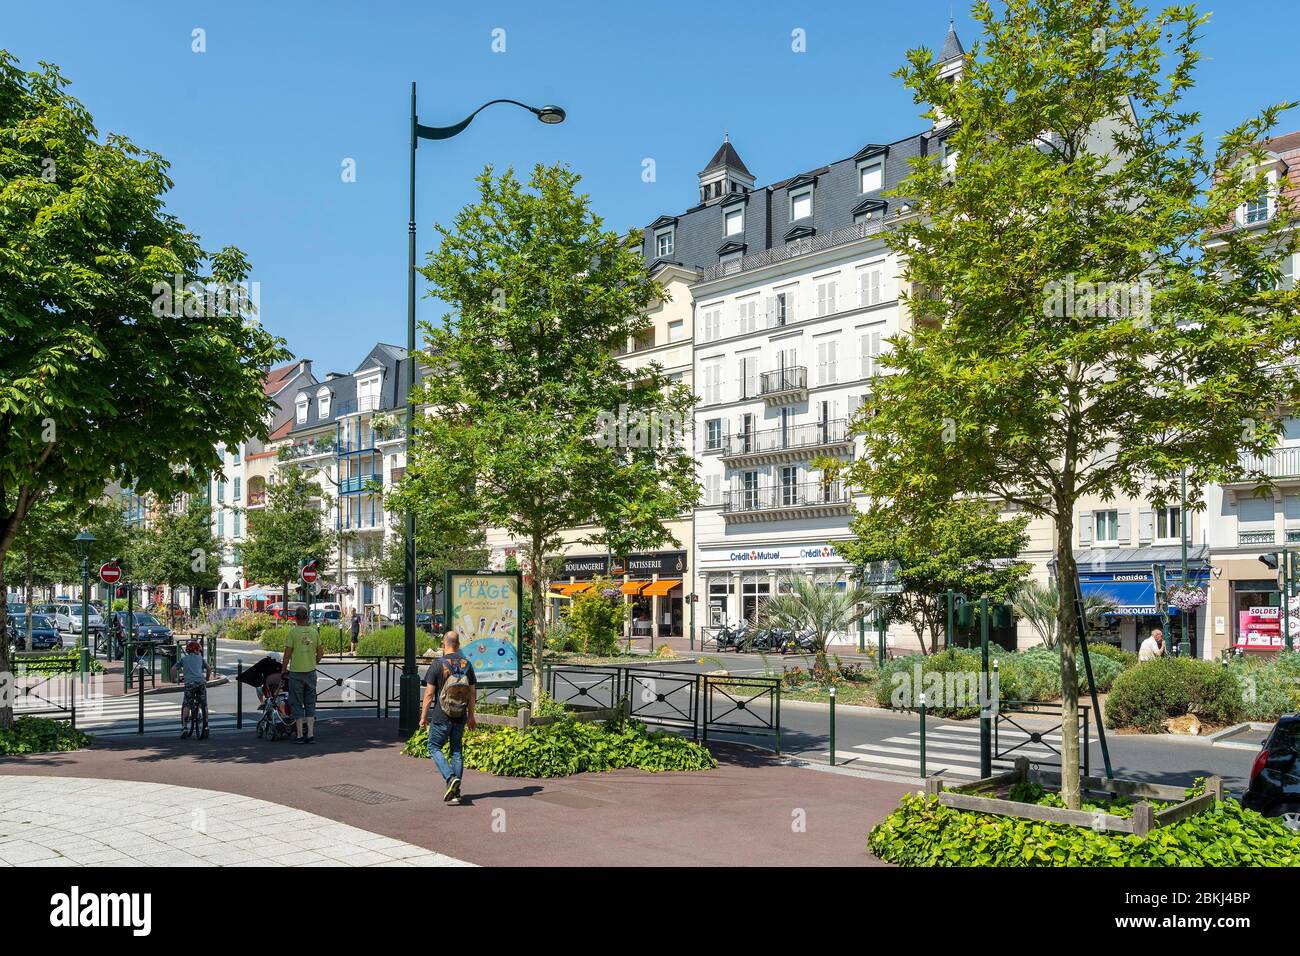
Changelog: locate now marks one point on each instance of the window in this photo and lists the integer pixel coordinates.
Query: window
(864, 217)
(730, 263)
(712, 490)
(789, 485)
(711, 387)
(801, 204)
(734, 221)
(676, 331)
(748, 376)
(1256, 210)
(1169, 526)
(871, 282)
(1107, 526)
(780, 309)
(234, 455)
(302, 411)
(323, 403)
(664, 244)
(747, 313)
(711, 324)
(236, 521)
(749, 484)
(826, 297)
(237, 483)
(713, 434)
(827, 358)
(221, 488)
(221, 524)
(644, 340)
(869, 350)
(869, 177)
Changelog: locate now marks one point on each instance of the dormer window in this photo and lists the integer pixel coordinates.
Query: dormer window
(870, 176)
(1260, 208)
(801, 204)
(323, 403)
(734, 220)
(301, 408)
(664, 244)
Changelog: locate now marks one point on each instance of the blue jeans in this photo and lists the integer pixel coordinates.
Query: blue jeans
(439, 734)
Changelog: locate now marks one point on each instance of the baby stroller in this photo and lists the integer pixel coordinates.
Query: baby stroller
(276, 715)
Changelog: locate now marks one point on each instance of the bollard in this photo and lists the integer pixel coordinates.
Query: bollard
(832, 754)
(239, 693)
(140, 718)
(923, 773)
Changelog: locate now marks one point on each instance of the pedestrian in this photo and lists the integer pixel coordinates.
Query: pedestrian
(194, 674)
(302, 652)
(356, 630)
(1153, 646)
(447, 709)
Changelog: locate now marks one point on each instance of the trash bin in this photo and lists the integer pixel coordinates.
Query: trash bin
(168, 658)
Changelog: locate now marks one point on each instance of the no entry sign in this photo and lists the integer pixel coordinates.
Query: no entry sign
(110, 573)
(309, 575)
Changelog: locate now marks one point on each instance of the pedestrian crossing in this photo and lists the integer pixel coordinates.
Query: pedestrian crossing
(107, 716)
(950, 750)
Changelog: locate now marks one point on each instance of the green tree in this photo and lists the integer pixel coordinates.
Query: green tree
(804, 604)
(435, 555)
(94, 366)
(288, 530)
(1037, 603)
(178, 550)
(534, 426)
(962, 545)
(1077, 160)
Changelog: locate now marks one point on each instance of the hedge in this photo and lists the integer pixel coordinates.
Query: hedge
(923, 832)
(39, 735)
(1147, 695)
(1270, 687)
(391, 642)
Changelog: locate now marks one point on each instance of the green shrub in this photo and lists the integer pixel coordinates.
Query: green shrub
(560, 637)
(391, 642)
(923, 832)
(245, 627)
(38, 735)
(1269, 687)
(1144, 697)
(569, 746)
(1125, 659)
(596, 617)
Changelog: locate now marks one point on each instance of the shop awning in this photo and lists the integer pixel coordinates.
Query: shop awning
(1131, 598)
(632, 587)
(567, 590)
(662, 587)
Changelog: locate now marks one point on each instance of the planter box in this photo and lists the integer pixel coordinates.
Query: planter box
(1143, 821)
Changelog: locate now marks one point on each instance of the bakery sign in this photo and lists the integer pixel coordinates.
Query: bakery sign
(666, 564)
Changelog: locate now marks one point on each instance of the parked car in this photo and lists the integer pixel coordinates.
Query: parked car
(147, 628)
(278, 612)
(67, 618)
(1275, 776)
(330, 617)
(45, 637)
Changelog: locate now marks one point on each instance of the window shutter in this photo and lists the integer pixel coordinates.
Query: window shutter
(1085, 529)
(1146, 525)
(769, 312)
(1125, 517)
(832, 360)
(830, 297)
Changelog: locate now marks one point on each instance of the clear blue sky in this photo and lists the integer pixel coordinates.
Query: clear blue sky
(257, 127)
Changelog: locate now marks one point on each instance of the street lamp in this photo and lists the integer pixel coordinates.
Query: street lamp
(84, 541)
(407, 711)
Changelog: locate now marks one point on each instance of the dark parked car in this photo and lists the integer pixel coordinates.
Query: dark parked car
(45, 636)
(1275, 777)
(148, 629)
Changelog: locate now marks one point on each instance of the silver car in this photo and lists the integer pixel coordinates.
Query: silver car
(67, 619)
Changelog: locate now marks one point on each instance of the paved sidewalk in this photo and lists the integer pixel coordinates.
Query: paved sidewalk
(752, 810)
(78, 821)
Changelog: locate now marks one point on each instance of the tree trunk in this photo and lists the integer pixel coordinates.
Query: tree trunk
(535, 559)
(6, 675)
(1068, 643)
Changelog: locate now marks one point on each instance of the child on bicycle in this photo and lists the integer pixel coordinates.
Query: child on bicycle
(195, 673)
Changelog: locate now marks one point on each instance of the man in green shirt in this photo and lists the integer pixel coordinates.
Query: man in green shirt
(302, 652)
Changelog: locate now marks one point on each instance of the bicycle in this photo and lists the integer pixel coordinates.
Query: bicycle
(192, 714)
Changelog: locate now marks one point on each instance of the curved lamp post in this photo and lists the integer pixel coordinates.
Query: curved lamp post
(84, 542)
(408, 708)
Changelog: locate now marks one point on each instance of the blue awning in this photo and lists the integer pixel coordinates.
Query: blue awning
(1131, 598)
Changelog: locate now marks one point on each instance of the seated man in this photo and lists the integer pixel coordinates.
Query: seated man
(195, 673)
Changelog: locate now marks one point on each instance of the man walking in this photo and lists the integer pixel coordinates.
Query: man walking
(302, 652)
(1152, 647)
(448, 707)
(356, 630)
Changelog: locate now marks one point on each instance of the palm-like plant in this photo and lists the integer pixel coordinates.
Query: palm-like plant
(802, 604)
(1036, 602)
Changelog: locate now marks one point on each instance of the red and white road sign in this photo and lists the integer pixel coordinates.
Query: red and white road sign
(309, 575)
(110, 573)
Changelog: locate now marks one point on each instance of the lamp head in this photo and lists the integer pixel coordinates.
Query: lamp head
(83, 541)
(550, 115)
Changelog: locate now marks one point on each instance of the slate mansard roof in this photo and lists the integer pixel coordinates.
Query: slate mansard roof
(391, 359)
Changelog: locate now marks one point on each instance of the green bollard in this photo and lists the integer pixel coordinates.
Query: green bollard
(832, 753)
(923, 773)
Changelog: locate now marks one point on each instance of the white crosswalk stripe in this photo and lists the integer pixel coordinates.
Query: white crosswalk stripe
(949, 750)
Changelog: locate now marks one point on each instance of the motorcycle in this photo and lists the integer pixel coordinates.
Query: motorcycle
(798, 642)
(733, 638)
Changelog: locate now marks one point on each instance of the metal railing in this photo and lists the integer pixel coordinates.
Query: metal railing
(796, 248)
(780, 380)
(810, 494)
(792, 437)
(357, 483)
(1252, 538)
(748, 706)
(1278, 463)
(306, 449)
(1011, 739)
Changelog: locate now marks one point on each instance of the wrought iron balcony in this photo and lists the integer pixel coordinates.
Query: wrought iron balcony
(1278, 464)
(1249, 539)
(775, 502)
(788, 443)
(307, 449)
(784, 386)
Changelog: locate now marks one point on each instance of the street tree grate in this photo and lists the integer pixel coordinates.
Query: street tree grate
(365, 795)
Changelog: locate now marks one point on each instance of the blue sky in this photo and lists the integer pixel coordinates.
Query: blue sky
(258, 126)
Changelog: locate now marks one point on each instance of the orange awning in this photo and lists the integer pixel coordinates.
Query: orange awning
(662, 587)
(633, 587)
(570, 589)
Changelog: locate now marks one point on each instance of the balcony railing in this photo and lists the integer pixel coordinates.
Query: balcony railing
(790, 438)
(1278, 463)
(782, 380)
(805, 495)
(799, 247)
(357, 483)
(1246, 539)
(307, 449)
(352, 406)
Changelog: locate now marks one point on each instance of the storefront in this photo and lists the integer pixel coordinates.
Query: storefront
(735, 583)
(1131, 586)
(1257, 617)
(653, 583)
